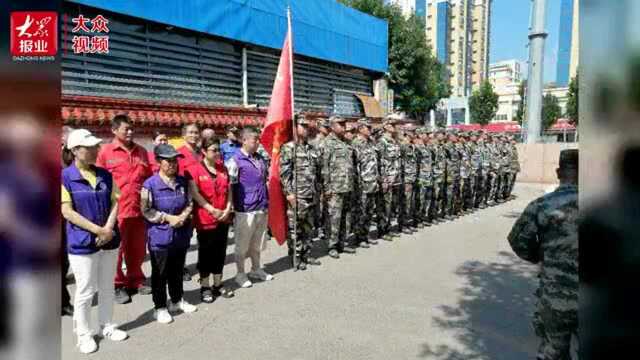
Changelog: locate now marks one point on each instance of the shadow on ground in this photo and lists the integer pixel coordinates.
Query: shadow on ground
(493, 318)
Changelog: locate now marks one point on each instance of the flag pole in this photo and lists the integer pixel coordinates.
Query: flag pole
(294, 237)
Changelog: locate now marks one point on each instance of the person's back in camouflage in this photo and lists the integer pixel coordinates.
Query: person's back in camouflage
(547, 234)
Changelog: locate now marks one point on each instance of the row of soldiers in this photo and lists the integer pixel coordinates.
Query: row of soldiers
(351, 175)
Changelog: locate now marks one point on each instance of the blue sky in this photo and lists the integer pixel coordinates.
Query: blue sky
(509, 30)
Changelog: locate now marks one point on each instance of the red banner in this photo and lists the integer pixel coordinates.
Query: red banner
(277, 131)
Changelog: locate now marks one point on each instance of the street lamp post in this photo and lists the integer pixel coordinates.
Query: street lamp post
(537, 36)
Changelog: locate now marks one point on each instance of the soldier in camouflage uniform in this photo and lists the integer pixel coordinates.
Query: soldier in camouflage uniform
(323, 128)
(453, 176)
(547, 234)
(337, 184)
(300, 159)
(505, 168)
(389, 157)
(476, 171)
(368, 175)
(439, 177)
(493, 155)
(354, 199)
(514, 164)
(425, 178)
(465, 173)
(409, 178)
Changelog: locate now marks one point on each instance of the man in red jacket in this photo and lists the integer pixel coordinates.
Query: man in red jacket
(129, 164)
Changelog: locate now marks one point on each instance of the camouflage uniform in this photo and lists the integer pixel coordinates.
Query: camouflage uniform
(409, 178)
(547, 233)
(425, 183)
(337, 184)
(505, 170)
(389, 155)
(465, 174)
(476, 175)
(493, 179)
(453, 178)
(439, 181)
(317, 145)
(305, 166)
(367, 185)
(514, 164)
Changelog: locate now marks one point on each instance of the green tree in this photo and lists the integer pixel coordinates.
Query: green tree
(522, 90)
(483, 104)
(415, 75)
(551, 111)
(572, 101)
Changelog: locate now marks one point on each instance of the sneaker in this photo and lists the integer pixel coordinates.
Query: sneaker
(162, 316)
(206, 295)
(121, 296)
(243, 281)
(183, 306)
(112, 333)
(222, 291)
(261, 275)
(86, 344)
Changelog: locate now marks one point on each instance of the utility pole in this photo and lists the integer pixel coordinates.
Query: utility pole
(537, 36)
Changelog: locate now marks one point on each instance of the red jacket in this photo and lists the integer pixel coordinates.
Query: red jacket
(213, 188)
(188, 160)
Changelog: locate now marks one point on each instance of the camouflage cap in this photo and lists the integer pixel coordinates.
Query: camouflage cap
(323, 122)
(337, 119)
(569, 159)
(363, 122)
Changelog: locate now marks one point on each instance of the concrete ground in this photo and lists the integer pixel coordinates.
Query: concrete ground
(451, 291)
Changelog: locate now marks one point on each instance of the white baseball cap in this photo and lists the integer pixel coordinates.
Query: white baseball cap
(81, 137)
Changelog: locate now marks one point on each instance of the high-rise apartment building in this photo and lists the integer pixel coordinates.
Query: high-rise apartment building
(568, 48)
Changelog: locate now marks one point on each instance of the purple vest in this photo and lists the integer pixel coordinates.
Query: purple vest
(93, 204)
(250, 191)
(172, 202)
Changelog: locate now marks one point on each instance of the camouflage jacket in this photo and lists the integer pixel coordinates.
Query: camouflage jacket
(317, 144)
(425, 168)
(505, 157)
(389, 151)
(547, 233)
(305, 167)
(465, 160)
(337, 166)
(409, 163)
(515, 163)
(494, 156)
(453, 161)
(476, 157)
(439, 163)
(366, 165)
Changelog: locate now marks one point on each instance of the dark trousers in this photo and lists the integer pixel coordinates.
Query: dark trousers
(66, 299)
(212, 250)
(166, 269)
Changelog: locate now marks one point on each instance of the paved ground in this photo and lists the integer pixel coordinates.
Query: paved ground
(453, 291)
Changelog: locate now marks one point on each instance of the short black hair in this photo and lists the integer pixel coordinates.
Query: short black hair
(118, 120)
(210, 141)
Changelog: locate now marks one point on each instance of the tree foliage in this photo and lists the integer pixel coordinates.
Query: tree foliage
(415, 75)
(483, 104)
(522, 90)
(551, 111)
(572, 101)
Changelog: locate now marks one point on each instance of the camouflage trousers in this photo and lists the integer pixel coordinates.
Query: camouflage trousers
(479, 192)
(452, 195)
(437, 204)
(512, 182)
(492, 186)
(407, 205)
(352, 209)
(389, 205)
(368, 205)
(464, 193)
(304, 231)
(555, 329)
(424, 202)
(318, 214)
(335, 225)
(503, 184)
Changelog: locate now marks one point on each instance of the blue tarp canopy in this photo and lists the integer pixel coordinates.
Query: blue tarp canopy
(323, 29)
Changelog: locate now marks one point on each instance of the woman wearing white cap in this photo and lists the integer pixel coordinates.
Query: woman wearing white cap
(89, 206)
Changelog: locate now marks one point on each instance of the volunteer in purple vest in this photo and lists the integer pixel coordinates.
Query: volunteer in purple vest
(166, 206)
(248, 174)
(89, 204)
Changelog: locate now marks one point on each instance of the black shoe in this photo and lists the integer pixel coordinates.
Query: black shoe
(302, 266)
(428, 223)
(222, 291)
(334, 254)
(206, 295)
(67, 310)
(143, 290)
(121, 296)
(186, 276)
(364, 244)
(311, 261)
(348, 250)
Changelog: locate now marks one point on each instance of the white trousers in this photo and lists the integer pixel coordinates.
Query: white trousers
(250, 230)
(93, 273)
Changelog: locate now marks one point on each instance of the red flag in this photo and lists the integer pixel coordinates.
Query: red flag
(277, 131)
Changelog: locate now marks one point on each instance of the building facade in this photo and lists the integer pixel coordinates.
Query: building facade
(568, 42)
(178, 63)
